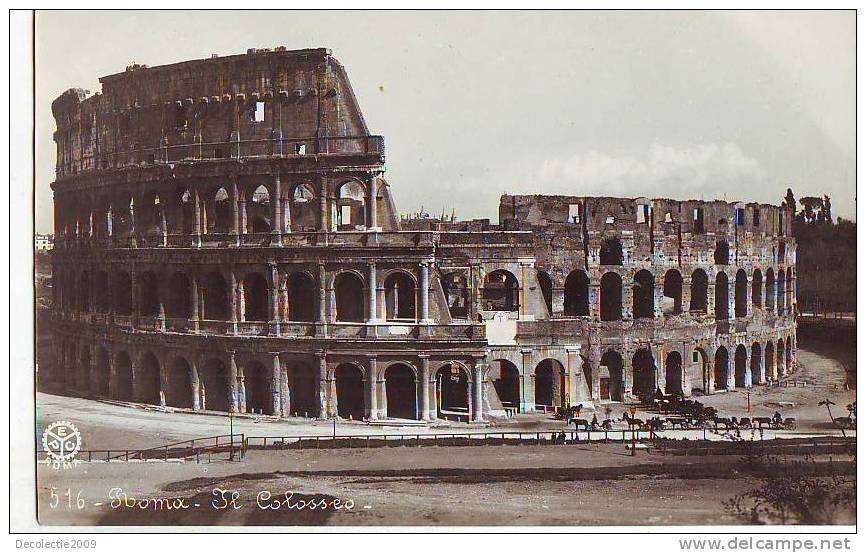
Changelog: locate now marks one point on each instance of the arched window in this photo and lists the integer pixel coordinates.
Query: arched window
(122, 293)
(720, 373)
(217, 302)
(255, 297)
(611, 297)
(302, 293)
(351, 205)
(698, 301)
(770, 289)
(350, 391)
(740, 368)
(349, 296)
(179, 294)
(781, 292)
(673, 293)
(576, 294)
(399, 297)
(148, 294)
(304, 209)
(722, 297)
(501, 292)
(611, 386)
(673, 373)
(457, 294)
(643, 304)
(222, 212)
(757, 288)
(741, 292)
(400, 392)
(259, 211)
(610, 252)
(644, 375)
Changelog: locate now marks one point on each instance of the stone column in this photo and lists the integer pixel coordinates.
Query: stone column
(274, 293)
(687, 292)
(195, 307)
(195, 384)
(527, 400)
(594, 298)
(478, 388)
(242, 391)
(326, 406)
(285, 393)
(276, 226)
(373, 223)
(371, 293)
(424, 380)
(242, 216)
(557, 301)
(658, 294)
(323, 300)
(424, 285)
(236, 208)
(196, 211)
(747, 380)
(163, 380)
(372, 376)
(234, 303)
(323, 205)
(233, 383)
(276, 384)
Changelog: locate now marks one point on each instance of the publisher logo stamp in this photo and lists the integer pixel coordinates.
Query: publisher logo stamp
(61, 441)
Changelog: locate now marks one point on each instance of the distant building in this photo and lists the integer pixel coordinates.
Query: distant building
(44, 242)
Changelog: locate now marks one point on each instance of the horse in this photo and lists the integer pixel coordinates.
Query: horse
(762, 421)
(844, 422)
(631, 421)
(722, 421)
(580, 422)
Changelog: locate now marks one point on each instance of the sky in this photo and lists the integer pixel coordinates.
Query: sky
(686, 105)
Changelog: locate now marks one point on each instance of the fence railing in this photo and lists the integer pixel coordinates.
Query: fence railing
(199, 448)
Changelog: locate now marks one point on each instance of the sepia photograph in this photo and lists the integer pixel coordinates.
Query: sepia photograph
(425, 271)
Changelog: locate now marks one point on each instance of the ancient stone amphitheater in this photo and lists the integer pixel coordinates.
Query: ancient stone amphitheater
(225, 241)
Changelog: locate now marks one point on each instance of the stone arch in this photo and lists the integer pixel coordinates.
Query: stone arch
(770, 360)
(148, 294)
(303, 294)
(781, 293)
(780, 357)
(456, 288)
(722, 312)
(453, 391)
(179, 302)
(699, 287)
(721, 255)
(304, 207)
(349, 297)
(216, 295)
(770, 290)
(672, 291)
(643, 375)
(399, 296)
(221, 220)
(610, 252)
(790, 293)
(611, 297)
(643, 298)
(721, 368)
(350, 206)
(550, 384)
(258, 385)
(304, 384)
(506, 381)
(148, 379)
(186, 211)
(755, 364)
(674, 373)
(757, 288)
(501, 291)
(741, 357)
(123, 376)
(259, 210)
(122, 293)
(789, 354)
(349, 379)
(256, 297)
(179, 390)
(216, 388)
(546, 285)
(612, 386)
(741, 293)
(576, 294)
(401, 392)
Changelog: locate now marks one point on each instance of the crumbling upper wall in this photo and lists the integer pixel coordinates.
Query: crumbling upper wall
(260, 103)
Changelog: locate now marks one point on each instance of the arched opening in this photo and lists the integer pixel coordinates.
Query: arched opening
(179, 305)
(351, 206)
(84, 292)
(755, 364)
(611, 297)
(780, 358)
(722, 253)
(672, 290)
(122, 292)
(780, 293)
(123, 380)
(222, 212)
(644, 376)
(349, 296)
(501, 291)
(215, 386)
(643, 287)
(258, 383)
(770, 361)
(720, 373)
(740, 366)
(457, 294)
(722, 297)
(549, 384)
(400, 393)
(506, 382)
(304, 208)
(698, 301)
(546, 285)
(757, 286)
(350, 391)
(789, 289)
(674, 373)
(611, 387)
(610, 252)
(148, 294)
(741, 293)
(302, 297)
(789, 354)
(701, 384)
(399, 297)
(255, 297)
(186, 211)
(304, 391)
(452, 392)
(103, 372)
(100, 301)
(576, 294)
(770, 290)
(179, 390)
(215, 291)
(148, 379)
(259, 211)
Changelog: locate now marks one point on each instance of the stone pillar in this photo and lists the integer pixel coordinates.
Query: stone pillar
(557, 301)
(323, 205)
(371, 293)
(136, 380)
(195, 307)
(236, 209)
(274, 293)
(242, 216)
(627, 293)
(687, 292)
(747, 380)
(478, 389)
(233, 383)
(195, 384)
(234, 303)
(285, 393)
(277, 224)
(327, 409)
(196, 211)
(276, 384)
(373, 223)
(732, 305)
(658, 294)
(133, 285)
(424, 285)
(286, 220)
(323, 300)
(372, 376)
(527, 399)
(424, 380)
(163, 380)
(594, 298)
(242, 391)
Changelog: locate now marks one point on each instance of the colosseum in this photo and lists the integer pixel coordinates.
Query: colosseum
(226, 241)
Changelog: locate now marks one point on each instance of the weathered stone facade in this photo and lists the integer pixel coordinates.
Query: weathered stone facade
(225, 240)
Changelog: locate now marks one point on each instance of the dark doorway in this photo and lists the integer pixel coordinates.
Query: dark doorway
(350, 391)
(400, 391)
